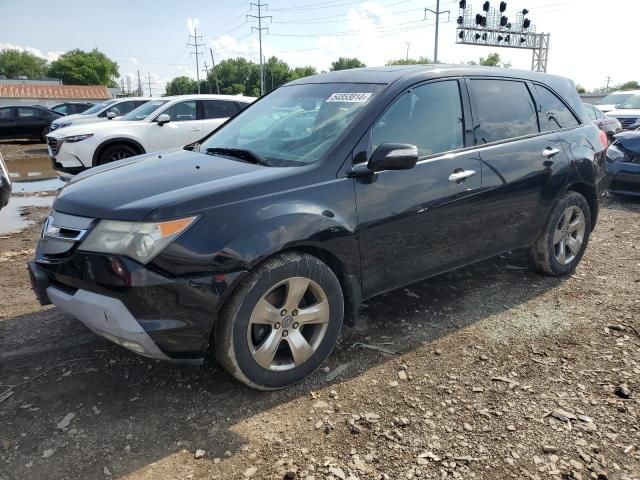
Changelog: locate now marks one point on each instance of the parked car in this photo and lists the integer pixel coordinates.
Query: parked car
(607, 124)
(22, 121)
(163, 123)
(257, 247)
(70, 108)
(615, 99)
(107, 110)
(628, 114)
(5, 183)
(623, 164)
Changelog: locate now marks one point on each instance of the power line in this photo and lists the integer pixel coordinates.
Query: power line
(196, 38)
(260, 28)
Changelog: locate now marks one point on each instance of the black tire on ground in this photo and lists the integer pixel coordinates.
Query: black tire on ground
(560, 235)
(116, 152)
(45, 131)
(237, 338)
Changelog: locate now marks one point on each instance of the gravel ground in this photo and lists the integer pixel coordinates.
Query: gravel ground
(489, 372)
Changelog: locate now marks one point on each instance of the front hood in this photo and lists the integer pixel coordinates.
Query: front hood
(629, 140)
(96, 127)
(162, 186)
(624, 113)
(605, 108)
(67, 118)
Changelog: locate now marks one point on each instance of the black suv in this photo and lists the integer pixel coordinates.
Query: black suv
(258, 243)
(25, 121)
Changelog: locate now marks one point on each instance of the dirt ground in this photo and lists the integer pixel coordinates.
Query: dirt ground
(490, 372)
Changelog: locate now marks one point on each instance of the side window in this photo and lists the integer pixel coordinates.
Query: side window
(555, 114)
(24, 112)
(242, 105)
(219, 109)
(63, 109)
(122, 108)
(183, 111)
(504, 109)
(428, 116)
(5, 113)
(591, 111)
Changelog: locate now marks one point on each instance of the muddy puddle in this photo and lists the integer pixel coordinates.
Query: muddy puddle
(13, 217)
(33, 173)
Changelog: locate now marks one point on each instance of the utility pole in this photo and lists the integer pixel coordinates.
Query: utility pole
(259, 28)
(408, 45)
(206, 71)
(149, 81)
(213, 69)
(196, 43)
(139, 85)
(608, 80)
(437, 13)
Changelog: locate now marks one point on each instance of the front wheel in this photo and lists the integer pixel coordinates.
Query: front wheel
(115, 153)
(559, 249)
(281, 323)
(45, 132)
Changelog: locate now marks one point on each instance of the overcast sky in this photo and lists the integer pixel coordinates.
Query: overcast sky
(590, 39)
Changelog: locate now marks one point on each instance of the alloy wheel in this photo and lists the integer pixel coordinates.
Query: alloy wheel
(288, 324)
(569, 235)
(119, 155)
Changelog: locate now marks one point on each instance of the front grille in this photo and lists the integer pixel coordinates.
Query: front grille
(62, 232)
(54, 146)
(627, 122)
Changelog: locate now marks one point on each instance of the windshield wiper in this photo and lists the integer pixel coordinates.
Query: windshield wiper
(242, 154)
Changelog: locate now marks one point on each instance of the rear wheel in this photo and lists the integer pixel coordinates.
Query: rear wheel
(281, 323)
(45, 132)
(560, 247)
(114, 153)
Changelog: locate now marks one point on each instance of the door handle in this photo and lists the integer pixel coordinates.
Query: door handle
(459, 176)
(550, 152)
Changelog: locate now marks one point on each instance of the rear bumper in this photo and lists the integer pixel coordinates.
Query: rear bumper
(624, 178)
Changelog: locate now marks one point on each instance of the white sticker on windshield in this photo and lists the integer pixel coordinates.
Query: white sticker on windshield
(349, 97)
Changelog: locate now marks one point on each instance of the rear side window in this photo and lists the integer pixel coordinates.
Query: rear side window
(554, 114)
(428, 116)
(27, 112)
(219, 109)
(591, 111)
(5, 113)
(504, 109)
(182, 111)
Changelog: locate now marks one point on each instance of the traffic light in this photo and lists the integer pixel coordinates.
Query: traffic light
(463, 4)
(485, 7)
(503, 7)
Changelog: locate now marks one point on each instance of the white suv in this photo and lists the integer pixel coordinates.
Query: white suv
(107, 110)
(628, 113)
(160, 124)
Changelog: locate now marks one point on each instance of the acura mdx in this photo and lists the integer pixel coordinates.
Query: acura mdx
(257, 243)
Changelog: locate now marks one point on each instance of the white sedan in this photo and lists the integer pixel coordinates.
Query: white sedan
(157, 125)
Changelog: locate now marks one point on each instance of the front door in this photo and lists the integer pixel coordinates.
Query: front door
(183, 129)
(417, 222)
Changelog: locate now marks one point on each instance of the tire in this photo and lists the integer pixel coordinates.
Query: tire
(116, 152)
(43, 136)
(249, 329)
(564, 240)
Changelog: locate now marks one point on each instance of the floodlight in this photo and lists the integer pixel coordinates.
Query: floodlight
(485, 7)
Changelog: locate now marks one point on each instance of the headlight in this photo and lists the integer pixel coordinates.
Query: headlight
(138, 240)
(55, 126)
(615, 154)
(77, 138)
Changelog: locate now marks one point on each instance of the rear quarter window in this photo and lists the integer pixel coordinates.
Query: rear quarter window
(504, 109)
(554, 114)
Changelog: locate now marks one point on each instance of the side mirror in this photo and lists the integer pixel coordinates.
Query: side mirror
(162, 119)
(393, 156)
(111, 115)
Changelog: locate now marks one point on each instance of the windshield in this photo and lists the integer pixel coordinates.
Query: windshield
(96, 108)
(143, 111)
(633, 102)
(295, 125)
(615, 99)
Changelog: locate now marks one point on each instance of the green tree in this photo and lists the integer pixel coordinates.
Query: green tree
(301, 72)
(276, 73)
(410, 61)
(17, 63)
(632, 85)
(580, 89)
(344, 63)
(77, 67)
(181, 86)
(237, 75)
(493, 60)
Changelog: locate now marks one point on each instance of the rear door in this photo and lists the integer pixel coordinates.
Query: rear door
(519, 161)
(215, 113)
(417, 222)
(184, 127)
(30, 121)
(7, 122)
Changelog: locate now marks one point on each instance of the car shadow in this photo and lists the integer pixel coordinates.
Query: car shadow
(130, 411)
